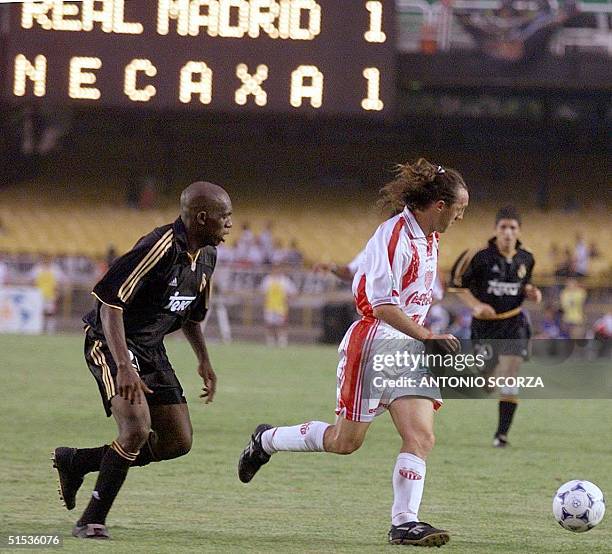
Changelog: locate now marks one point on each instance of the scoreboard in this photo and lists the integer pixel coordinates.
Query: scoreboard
(274, 56)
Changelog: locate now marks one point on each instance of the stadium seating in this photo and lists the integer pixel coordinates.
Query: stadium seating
(36, 222)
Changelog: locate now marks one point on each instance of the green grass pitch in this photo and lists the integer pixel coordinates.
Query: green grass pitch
(490, 500)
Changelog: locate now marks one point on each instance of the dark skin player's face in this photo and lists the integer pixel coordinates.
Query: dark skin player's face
(213, 226)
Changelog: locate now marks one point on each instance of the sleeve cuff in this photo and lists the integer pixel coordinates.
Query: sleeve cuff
(387, 300)
(106, 303)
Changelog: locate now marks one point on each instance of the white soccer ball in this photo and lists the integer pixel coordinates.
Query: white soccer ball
(579, 506)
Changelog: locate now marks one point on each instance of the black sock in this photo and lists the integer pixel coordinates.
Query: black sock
(506, 413)
(147, 453)
(86, 460)
(113, 471)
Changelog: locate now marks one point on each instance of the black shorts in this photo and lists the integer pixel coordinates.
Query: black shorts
(152, 364)
(504, 337)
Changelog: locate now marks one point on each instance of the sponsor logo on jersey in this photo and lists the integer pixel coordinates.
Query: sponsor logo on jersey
(173, 283)
(502, 288)
(410, 474)
(495, 269)
(178, 303)
(423, 299)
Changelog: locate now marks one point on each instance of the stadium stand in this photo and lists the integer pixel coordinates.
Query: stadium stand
(88, 224)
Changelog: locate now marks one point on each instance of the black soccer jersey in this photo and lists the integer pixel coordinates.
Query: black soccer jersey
(157, 284)
(492, 278)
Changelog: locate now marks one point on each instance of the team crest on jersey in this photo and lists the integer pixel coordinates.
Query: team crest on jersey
(522, 271)
(428, 279)
(178, 303)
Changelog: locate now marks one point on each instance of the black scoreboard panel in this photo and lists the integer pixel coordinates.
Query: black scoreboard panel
(275, 56)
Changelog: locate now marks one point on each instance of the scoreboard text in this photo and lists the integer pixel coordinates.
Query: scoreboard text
(333, 56)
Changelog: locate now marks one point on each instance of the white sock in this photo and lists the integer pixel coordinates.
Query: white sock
(408, 484)
(307, 437)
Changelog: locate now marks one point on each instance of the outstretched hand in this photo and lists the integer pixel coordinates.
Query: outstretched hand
(210, 382)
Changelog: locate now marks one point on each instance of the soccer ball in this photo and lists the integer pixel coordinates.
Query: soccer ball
(579, 506)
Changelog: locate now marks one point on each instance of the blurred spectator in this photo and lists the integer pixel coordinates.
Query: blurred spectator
(438, 319)
(279, 255)
(47, 277)
(255, 255)
(594, 251)
(602, 333)
(277, 288)
(294, 255)
(148, 195)
(567, 267)
(111, 255)
(244, 243)
(511, 34)
(225, 254)
(573, 298)
(461, 325)
(554, 255)
(132, 193)
(3, 272)
(581, 255)
(266, 241)
(550, 326)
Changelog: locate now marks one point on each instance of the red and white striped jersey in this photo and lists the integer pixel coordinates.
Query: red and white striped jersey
(399, 267)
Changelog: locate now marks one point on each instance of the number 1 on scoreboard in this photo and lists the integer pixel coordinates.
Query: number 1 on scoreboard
(375, 33)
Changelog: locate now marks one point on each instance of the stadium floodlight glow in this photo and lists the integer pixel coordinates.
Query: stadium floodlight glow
(37, 73)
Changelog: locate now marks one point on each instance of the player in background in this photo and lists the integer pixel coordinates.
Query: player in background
(158, 287)
(277, 289)
(494, 281)
(343, 272)
(393, 290)
(47, 278)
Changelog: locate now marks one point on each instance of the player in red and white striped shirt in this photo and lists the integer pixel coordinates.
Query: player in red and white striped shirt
(393, 289)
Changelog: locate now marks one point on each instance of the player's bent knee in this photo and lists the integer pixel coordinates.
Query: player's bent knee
(420, 443)
(134, 436)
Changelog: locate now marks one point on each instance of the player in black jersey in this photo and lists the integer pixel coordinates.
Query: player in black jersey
(160, 286)
(494, 281)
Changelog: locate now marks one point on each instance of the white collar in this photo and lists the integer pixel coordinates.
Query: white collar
(414, 229)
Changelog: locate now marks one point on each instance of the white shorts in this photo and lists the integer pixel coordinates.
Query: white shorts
(367, 381)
